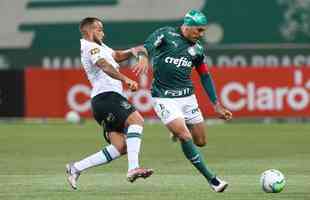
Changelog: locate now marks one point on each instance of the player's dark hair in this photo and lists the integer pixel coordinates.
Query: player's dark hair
(87, 22)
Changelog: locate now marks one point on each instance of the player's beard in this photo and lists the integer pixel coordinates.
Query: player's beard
(98, 40)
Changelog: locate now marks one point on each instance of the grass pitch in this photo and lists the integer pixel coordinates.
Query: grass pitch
(33, 156)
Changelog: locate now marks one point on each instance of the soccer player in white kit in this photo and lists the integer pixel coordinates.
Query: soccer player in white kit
(122, 123)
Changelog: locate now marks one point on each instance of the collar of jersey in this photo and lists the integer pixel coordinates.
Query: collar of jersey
(178, 30)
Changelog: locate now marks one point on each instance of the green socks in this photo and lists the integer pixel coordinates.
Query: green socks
(192, 154)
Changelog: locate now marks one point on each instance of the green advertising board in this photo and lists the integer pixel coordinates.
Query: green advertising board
(243, 33)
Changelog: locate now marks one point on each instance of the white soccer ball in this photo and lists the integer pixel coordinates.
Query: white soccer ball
(272, 181)
(73, 117)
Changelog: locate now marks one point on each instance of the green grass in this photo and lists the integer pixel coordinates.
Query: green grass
(33, 155)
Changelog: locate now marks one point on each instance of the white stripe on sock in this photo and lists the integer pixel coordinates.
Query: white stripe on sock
(135, 129)
(96, 159)
(133, 146)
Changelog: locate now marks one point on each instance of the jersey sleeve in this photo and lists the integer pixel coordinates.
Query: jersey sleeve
(95, 53)
(201, 54)
(155, 40)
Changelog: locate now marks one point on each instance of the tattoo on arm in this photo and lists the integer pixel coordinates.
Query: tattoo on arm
(121, 55)
(109, 69)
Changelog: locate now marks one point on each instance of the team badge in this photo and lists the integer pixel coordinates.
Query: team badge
(191, 50)
(94, 51)
(196, 50)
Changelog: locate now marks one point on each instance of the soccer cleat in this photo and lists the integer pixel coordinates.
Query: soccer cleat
(72, 175)
(218, 185)
(133, 174)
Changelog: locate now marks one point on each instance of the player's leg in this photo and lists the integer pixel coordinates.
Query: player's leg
(125, 117)
(194, 120)
(104, 156)
(171, 115)
(192, 153)
(103, 114)
(134, 124)
(179, 129)
(198, 133)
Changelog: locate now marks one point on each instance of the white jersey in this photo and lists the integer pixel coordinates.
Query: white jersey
(101, 82)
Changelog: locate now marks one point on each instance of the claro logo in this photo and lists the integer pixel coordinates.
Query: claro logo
(266, 98)
(72, 101)
(141, 99)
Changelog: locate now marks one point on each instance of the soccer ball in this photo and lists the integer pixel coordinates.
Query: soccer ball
(73, 117)
(272, 181)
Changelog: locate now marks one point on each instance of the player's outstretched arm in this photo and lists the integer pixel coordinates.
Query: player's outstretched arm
(111, 71)
(208, 85)
(121, 55)
(143, 61)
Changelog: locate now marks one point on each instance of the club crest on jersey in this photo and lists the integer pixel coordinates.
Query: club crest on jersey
(94, 51)
(191, 51)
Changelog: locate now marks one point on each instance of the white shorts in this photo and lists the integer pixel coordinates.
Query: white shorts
(169, 109)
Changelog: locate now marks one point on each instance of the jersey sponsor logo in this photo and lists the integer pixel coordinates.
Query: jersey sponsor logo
(177, 93)
(94, 51)
(179, 62)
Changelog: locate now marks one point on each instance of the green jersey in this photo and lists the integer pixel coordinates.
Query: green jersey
(173, 58)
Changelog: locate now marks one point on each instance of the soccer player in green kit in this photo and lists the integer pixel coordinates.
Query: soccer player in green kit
(174, 52)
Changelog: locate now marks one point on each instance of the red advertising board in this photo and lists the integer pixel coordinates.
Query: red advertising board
(262, 92)
(247, 92)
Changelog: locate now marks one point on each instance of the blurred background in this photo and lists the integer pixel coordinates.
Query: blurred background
(258, 52)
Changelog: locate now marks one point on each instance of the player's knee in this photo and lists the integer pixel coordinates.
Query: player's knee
(121, 148)
(184, 136)
(201, 143)
(135, 118)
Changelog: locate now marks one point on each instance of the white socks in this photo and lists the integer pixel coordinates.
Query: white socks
(133, 142)
(107, 154)
(110, 153)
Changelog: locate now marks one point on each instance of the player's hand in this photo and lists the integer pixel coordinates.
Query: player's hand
(143, 62)
(222, 112)
(142, 66)
(136, 50)
(132, 85)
